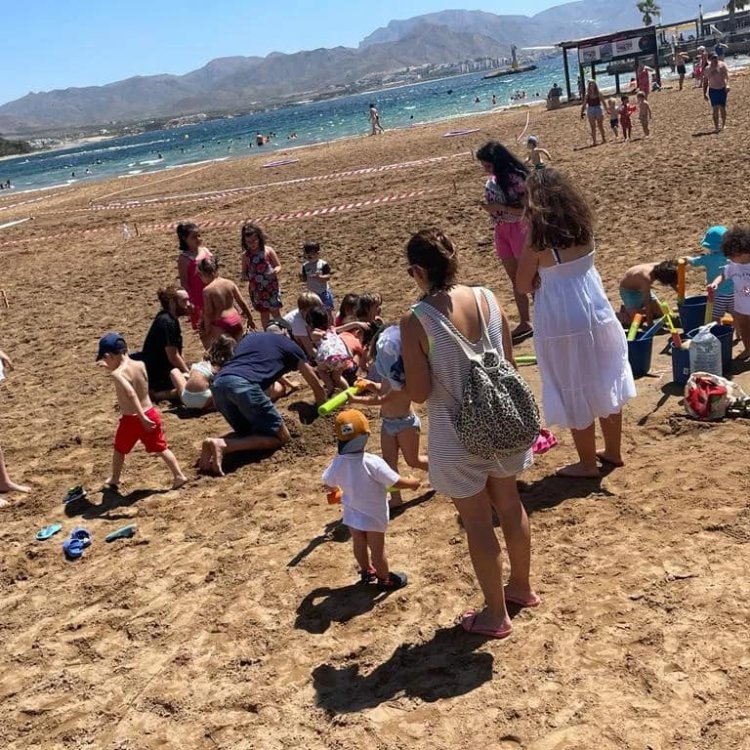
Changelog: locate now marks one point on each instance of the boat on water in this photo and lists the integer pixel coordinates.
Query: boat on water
(514, 68)
(510, 71)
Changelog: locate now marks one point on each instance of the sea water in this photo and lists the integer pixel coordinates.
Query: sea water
(313, 122)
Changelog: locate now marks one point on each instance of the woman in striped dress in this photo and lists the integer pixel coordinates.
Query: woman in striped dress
(437, 369)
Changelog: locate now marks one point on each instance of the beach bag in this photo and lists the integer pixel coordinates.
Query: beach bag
(710, 397)
(498, 416)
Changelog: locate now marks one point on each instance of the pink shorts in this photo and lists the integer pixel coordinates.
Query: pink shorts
(510, 237)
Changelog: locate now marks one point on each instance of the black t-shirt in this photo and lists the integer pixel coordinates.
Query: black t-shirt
(263, 358)
(165, 331)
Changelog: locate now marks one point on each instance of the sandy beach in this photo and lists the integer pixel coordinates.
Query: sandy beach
(230, 620)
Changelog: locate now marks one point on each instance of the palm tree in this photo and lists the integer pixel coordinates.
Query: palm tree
(733, 6)
(649, 9)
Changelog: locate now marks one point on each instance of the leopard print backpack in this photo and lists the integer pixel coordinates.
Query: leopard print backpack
(498, 415)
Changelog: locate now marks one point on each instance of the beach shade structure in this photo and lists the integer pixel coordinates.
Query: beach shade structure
(692, 312)
(640, 352)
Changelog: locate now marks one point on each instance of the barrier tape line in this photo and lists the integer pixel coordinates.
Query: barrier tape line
(290, 216)
(187, 198)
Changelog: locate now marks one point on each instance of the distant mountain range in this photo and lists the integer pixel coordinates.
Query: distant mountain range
(233, 84)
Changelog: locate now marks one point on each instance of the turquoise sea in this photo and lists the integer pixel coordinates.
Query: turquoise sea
(313, 122)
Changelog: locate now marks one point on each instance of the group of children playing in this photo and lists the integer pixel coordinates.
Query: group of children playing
(351, 347)
(727, 267)
(620, 115)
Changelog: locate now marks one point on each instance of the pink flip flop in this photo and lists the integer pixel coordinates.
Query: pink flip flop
(526, 603)
(467, 623)
(545, 441)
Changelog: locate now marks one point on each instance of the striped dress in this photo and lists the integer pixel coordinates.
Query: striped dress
(454, 471)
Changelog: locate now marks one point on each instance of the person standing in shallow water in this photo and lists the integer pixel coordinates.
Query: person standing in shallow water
(376, 127)
(449, 317)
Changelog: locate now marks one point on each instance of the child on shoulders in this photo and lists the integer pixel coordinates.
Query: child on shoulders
(139, 420)
(636, 290)
(363, 478)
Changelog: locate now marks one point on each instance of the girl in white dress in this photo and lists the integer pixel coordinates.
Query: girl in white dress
(580, 344)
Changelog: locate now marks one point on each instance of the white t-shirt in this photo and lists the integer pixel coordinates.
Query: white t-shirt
(739, 273)
(363, 478)
(297, 322)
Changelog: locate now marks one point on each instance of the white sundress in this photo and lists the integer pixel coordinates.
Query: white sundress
(453, 470)
(580, 346)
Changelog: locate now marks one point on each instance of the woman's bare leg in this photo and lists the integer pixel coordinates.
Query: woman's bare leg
(592, 125)
(522, 300)
(585, 442)
(612, 432)
(600, 124)
(486, 557)
(517, 534)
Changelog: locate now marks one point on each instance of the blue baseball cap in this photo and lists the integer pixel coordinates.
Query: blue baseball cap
(111, 343)
(713, 237)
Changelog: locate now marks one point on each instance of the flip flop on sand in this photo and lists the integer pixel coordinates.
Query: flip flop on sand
(528, 603)
(74, 494)
(124, 533)
(468, 619)
(48, 531)
(77, 542)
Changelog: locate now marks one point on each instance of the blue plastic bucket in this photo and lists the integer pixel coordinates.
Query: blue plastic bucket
(639, 355)
(725, 334)
(680, 365)
(693, 312)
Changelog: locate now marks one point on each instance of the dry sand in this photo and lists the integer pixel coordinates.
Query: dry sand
(230, 621)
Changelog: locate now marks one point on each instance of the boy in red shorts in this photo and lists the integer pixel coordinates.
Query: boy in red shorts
(139, 420)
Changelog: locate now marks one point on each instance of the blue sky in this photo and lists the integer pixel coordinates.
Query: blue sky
(48, 44)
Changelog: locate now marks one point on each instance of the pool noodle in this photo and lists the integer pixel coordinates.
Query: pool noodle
(654, 328)
(676, 340)
(337, 401)
(526, 359)
(633, 330)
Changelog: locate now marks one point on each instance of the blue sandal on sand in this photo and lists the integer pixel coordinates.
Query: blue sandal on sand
(48, 531)
(77, 542)
(124, 533)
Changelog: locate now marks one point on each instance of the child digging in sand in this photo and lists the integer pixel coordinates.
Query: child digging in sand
(363, 478)
(636, 293)
(139, 419)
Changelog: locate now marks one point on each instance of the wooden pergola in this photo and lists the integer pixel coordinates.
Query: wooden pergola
(631, 44)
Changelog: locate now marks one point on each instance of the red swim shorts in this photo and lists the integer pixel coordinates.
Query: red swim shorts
(131, 430)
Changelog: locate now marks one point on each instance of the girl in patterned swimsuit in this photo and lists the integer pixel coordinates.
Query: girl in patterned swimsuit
(260, 268)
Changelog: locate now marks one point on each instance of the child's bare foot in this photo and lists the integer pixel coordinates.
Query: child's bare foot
(110, 484)
(215, 448)
(13, 487)
(605, 458)
(579, 470)
(179, 482)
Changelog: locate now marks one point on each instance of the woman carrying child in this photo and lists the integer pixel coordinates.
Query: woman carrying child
(260, 268)
(221, 298)
(579, 342)
(503, 193)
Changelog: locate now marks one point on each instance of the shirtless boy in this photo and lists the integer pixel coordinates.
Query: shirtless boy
(715, 90)
(636, 293)
(139, 419)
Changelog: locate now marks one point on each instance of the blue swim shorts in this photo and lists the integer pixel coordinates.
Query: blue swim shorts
(717, 97)
(633, 299)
